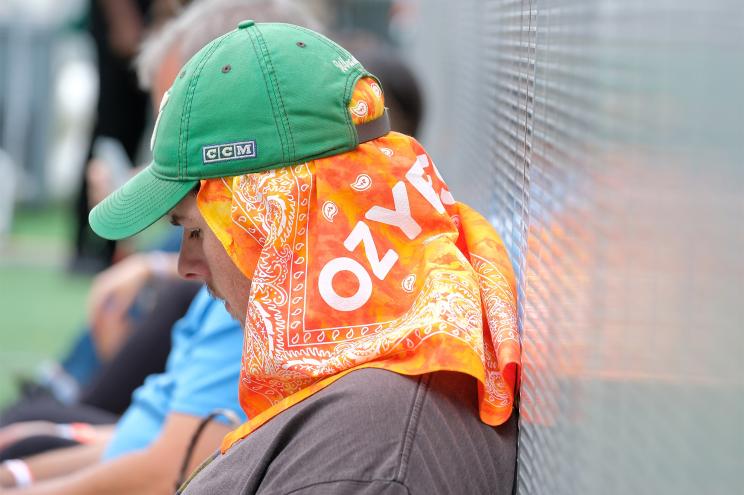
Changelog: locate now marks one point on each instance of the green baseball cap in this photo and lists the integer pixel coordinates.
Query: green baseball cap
(263, 96)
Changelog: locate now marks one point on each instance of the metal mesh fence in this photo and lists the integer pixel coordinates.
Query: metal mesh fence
(603, 138)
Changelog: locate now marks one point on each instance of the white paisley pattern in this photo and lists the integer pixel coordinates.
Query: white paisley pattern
(449, 302)
(442, 298)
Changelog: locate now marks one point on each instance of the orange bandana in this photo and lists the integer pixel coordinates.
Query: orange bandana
(359, 260)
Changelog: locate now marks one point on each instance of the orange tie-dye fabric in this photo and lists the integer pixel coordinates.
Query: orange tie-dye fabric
(364, 259)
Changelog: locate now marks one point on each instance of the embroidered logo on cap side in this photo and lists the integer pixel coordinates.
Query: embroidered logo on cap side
(345, 64)
(229, 151)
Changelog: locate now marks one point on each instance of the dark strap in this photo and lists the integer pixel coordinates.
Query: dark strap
(234, 421)
(374, 128)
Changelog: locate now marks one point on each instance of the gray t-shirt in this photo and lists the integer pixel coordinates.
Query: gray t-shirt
(372, 432)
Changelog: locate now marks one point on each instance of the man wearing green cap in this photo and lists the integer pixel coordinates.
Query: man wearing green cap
(381, 352)
(201, 130)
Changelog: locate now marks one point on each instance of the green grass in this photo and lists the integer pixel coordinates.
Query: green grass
(52, 223)
(42, 307)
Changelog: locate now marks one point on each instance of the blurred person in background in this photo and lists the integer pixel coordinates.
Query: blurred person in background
(160, 432)
(135, 302)
(381, 349)
(201, 374)
(117, 27)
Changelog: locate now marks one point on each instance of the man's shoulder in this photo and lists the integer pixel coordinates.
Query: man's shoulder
(371, 427)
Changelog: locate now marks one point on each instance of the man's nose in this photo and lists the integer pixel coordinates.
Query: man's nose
(191, 265)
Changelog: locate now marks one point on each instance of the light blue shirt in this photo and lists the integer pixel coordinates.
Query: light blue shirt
(201, 375)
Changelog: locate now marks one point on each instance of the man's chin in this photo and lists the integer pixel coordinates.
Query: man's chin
(214, 294)
(232, 312)
(229, 309)
(235, 316)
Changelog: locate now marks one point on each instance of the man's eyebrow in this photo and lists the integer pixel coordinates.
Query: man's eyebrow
(175, 219)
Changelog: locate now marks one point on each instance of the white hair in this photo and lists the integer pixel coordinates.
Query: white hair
(204, 20)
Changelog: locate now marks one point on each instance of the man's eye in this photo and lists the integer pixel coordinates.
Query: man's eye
(194, 233)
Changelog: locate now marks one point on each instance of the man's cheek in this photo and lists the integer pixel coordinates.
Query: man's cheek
(214, 251)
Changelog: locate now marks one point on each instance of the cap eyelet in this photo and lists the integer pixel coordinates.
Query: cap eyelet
(301, 44)
(182, 74)
(227, 68)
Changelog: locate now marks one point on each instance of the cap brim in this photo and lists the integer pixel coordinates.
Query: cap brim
(136, 205)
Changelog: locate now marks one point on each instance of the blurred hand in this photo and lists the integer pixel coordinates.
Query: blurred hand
(111, 296)
(114, 291)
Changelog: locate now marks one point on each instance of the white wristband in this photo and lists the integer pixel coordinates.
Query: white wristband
(20, 471)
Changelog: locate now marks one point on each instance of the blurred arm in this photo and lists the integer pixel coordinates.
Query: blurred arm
(60, 461)
(125, 25)
(151, 471)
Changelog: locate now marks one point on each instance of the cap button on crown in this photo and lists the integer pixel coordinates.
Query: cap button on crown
(246, 24)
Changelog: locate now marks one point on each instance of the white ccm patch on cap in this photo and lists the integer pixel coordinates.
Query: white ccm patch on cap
(229, 151)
